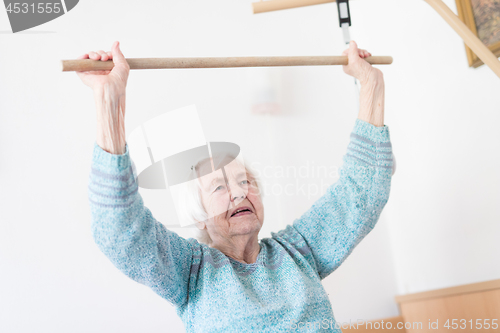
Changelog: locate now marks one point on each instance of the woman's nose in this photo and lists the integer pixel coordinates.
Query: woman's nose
(236, 192)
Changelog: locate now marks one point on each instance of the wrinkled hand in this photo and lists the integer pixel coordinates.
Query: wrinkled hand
(109, 95)
(115, 80)
(358, 67)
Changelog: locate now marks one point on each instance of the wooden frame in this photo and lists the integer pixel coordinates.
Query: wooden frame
(470, 39)
(466, 14)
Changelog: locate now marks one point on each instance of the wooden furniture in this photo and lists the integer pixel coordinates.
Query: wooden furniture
(473, 306)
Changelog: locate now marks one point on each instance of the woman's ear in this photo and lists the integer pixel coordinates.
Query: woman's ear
(201, 225)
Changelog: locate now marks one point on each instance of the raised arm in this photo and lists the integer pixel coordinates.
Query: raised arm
(329, 231)
(128, 234)
(351, 207)
(122, 227)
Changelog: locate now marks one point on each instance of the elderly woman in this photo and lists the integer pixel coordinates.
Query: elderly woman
(238, 283)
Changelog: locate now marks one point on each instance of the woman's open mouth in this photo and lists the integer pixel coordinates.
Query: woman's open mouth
(242, 211)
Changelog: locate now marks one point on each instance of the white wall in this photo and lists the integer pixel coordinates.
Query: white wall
(440, 226)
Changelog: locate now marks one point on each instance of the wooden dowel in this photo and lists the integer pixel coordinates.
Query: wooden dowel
(160, 63)
(271, 5)
(468, 36)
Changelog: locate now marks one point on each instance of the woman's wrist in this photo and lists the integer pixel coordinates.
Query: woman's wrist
(110, 121)
(373, 77)
(371, 97)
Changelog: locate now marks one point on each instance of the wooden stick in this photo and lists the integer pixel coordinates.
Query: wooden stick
(159, 63)
(468, 36)
(271, 5)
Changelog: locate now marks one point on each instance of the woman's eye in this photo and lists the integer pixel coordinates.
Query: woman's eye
(219, 188)
(246, 182)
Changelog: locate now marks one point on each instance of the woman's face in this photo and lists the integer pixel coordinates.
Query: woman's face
(223, 193)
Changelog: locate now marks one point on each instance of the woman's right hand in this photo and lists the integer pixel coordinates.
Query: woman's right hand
(115, 79)
(109, 95)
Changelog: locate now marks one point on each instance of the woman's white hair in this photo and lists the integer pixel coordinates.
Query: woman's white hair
(190, 206)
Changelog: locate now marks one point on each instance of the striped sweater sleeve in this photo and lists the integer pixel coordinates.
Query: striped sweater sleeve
(128, 234)
(350, 208)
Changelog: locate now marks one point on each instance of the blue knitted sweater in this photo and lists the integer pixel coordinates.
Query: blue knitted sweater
(212, 292)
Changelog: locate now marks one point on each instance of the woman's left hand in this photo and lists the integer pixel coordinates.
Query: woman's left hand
(357, 66)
